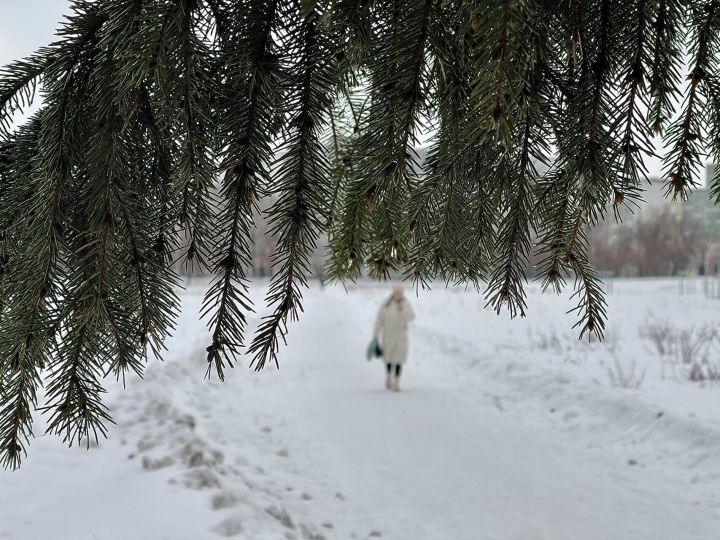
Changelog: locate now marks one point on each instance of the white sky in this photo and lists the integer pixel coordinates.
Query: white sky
(26, 25)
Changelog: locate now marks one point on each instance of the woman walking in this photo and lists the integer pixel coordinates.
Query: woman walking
(391, 331)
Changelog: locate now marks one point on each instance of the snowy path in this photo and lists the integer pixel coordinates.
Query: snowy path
(429, 463)
(479, 445)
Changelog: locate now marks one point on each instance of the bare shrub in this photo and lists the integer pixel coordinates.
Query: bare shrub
(697, 353)
(622, 378)
(694, 343)
(708, 370)
(549, 340)
(662, 334)
(610, 340)
(691, 352)
(545, 340)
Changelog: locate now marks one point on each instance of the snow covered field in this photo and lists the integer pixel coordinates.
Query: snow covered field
(504, 430)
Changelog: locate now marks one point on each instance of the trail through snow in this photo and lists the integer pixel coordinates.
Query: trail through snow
(431, 463)
(480, 444)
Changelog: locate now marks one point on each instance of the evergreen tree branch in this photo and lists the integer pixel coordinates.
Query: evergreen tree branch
(246, 175)
(666, 55)
(18, 84)
(302, 185)
(166, 124)
(635, 140)
(685, 134)
(398, 92)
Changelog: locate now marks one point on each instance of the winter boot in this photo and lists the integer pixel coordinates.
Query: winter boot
(389, 383)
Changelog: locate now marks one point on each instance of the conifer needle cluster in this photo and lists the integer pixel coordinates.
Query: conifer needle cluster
(162, 120)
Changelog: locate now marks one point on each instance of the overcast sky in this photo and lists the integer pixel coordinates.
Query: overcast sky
(26, 25)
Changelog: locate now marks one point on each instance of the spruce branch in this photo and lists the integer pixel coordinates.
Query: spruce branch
(247, 166)
(685, 134)
(442, 196)
(300, 212)
(429, 140)
(518, 170)
(666, 57)
(194, 173)
(713, 86)
(399, 86)
(18, 84)
(634, 140)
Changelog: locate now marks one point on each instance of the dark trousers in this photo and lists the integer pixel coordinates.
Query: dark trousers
(398, 368)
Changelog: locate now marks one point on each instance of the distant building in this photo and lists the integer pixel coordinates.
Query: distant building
(652, 199)
(710, 171)
(703, 209)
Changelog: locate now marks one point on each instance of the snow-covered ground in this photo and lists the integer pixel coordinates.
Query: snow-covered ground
(504, 430)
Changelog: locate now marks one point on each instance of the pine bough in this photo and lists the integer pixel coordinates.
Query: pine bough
(168, 119)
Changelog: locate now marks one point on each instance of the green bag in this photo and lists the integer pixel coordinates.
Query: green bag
(374, 350)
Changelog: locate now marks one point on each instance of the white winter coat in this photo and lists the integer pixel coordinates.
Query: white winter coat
(391, 330)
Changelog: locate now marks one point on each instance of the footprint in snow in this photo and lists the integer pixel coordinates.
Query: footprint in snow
(309, 534)
(281, 515)
(229, 527)
(225, 499)
(150, 464)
